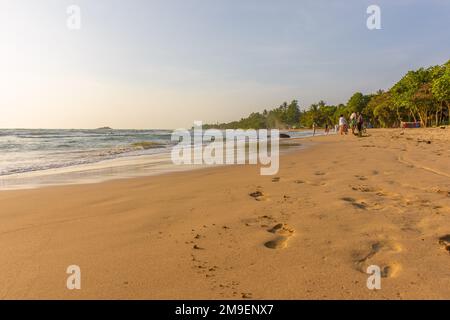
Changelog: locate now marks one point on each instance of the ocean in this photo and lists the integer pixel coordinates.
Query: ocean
(31, 157)
(25, 150)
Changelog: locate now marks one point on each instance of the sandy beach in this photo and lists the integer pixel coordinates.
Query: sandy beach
(310, 232)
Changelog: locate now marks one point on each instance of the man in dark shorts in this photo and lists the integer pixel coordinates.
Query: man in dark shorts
(359, 123)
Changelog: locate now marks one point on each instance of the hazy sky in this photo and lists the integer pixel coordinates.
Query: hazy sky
(166, 63)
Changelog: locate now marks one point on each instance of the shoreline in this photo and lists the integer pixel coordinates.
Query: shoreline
(172, 236)
(127, 167)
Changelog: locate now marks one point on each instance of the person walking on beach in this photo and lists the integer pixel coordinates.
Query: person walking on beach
(314, 128)
(342, 125)
(327, 129)
(360, 122)
(353, 121)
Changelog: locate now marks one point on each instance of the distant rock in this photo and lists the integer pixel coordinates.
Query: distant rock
(284, 135)
(104, 128)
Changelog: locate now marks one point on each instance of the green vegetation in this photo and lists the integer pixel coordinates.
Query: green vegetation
(285, 116)
(421, 95)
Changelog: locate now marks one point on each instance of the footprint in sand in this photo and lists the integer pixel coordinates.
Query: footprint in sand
(379, 192)
(275, 179)
(363, 204)
(311, 183)
(283, 233)
(441, 191)
(262, 221)
(319, 173)
(213, 272)
(382, 254)
(258, 195)
(444, 241)
(246, 295)
(362, 188)
(359, 205)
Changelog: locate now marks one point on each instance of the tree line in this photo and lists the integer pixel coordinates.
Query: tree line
(421, 95)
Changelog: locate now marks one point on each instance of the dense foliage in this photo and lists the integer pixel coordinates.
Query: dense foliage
(421, 95)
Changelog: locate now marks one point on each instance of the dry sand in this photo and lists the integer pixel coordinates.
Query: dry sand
(335, 208)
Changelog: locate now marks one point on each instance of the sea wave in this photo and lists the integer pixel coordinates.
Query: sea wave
(52, 159)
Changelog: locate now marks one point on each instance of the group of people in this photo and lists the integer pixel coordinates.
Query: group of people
(356, 123)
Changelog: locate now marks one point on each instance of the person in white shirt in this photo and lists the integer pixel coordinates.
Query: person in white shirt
(342, 125)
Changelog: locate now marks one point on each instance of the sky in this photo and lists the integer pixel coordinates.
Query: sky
(167, 63)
